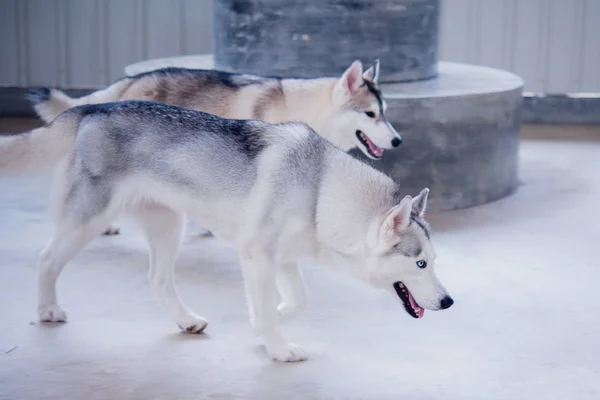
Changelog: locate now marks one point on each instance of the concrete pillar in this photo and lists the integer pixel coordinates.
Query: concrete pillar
(312, 38)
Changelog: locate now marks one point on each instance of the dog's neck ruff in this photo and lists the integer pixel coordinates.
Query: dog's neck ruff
(306, 99)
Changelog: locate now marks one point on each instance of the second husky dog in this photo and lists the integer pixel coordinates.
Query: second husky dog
(278, 193)
(348, 111)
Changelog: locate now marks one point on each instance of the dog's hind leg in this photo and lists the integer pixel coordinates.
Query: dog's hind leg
(292, 290)
(163, 230)
(70, 236)
(81, 210)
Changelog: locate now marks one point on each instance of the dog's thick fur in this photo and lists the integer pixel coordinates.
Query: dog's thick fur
(278, 193)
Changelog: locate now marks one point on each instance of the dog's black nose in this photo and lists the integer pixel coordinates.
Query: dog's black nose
(446, 302)
(396, 141)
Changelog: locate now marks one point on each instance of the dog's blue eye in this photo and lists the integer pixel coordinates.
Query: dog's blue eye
(421, 263)
(370, 114)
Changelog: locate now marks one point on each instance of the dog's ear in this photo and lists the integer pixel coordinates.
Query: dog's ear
(372, 74)
(351, 79)
(419, 204)
(397, 219)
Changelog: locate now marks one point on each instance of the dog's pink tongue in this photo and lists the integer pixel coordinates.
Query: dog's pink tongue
(420, 311)
(374, 148)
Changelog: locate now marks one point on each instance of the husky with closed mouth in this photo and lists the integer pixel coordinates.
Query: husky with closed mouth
(279, 193)
(348, 111)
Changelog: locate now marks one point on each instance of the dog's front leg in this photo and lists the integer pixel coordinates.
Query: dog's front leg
(163, 228)
(261, 291)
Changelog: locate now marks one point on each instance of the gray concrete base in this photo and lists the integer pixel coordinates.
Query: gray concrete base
(460, 130)
(461, 135)
(562, 109)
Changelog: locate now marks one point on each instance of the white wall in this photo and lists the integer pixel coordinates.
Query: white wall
(89, 42)
(553, 44)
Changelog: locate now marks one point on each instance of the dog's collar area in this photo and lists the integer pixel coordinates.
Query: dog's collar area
(374, 151)
(410, 305)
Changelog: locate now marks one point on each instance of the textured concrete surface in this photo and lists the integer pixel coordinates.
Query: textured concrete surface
(312, 38)
(523, 271)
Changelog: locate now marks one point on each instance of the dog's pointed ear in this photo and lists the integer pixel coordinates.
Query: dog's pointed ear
(372, 74)
(419, 204)
(352, 78)
(397, 219)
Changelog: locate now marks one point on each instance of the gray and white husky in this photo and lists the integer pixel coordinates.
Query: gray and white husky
(278, 192)
(348, 111)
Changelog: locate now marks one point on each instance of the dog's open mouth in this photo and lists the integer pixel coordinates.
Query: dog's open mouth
(410, 305)
(372, 149)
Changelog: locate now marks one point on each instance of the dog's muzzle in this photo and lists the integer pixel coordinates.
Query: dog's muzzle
(410, 305)
(372, 149)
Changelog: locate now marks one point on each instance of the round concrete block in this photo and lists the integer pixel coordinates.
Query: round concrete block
(460, 135)
(313, 38)
(460, 131)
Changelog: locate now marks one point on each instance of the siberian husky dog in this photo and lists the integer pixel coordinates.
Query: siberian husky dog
(348, 111)
(279, 193)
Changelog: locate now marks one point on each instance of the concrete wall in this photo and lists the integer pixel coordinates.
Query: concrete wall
(553, 44)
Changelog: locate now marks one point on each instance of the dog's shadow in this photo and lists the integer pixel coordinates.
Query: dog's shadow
(186, 337)
(48, 325)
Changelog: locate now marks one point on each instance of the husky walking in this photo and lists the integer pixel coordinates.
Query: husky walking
(348, 111)
(279, 193)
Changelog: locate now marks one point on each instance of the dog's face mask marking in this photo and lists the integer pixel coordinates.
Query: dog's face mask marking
(361, 112)
(403, 258)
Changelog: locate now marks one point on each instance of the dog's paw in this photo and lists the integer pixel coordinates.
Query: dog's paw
(287, 352)
(192, 323)
(52, 313)
(202, 233)
(112, 230)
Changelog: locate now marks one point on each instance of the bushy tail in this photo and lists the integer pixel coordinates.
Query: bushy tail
(40, 149)
(49, 103)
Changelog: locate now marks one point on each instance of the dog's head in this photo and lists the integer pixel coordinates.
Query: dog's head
(359, 119)
(401, 257)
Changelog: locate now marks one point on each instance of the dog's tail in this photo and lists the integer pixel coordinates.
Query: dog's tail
(49, 103)
(40, 149)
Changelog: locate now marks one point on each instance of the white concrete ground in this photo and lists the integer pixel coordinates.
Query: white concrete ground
(523, 271)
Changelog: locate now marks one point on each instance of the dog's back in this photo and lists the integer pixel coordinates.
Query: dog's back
(173, 144)
(174, 156)
(221, 93)
(227, 95)
(180, 157)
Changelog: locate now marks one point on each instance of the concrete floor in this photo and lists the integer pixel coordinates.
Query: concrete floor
(523, 271)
